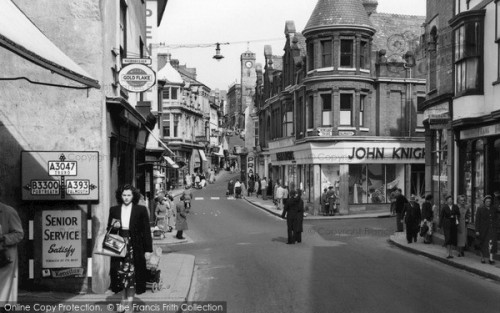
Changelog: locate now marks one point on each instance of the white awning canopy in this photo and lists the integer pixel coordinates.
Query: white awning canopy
(19, 35)
(171, 162)
(202, 155)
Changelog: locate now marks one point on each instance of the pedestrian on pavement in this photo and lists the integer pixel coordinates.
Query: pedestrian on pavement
(186, 197)
(293, 208)
(300, 219)
(331, 199)
(279, 197)
(286, 194)
(251, 185)
(180, 220)
(399, 205)
(11, 234)
(462, 225)
(270, 189)
(237, 189)
(412, 217)
(486, 229)
(392, 198)
(131, 220)
(448, 221)
(230, 188)
(161, 210)
(323, 200)
(258, 185)
(263, 188)
(427, 219)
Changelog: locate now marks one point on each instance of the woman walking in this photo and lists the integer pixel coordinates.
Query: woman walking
(448, 221)
(129, 274)
(486, 229)
(462, 225)
(181, 220)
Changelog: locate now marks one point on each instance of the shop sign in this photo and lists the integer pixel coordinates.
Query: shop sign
(68, 175)
(285, 156)
(325, 131)
(146, 61)
(136, 77)
(490, 130)
(60, 273)
(346, 133)
(361, 152)
(380, 153)
(61, 239)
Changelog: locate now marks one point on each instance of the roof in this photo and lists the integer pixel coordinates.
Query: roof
(396, 33)
(169, 74)
(21, 36)
(328, 13)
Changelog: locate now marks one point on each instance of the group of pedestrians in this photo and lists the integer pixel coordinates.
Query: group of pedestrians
(329, 201)
(453, 221)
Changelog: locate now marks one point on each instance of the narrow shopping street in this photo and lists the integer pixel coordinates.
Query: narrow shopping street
(341, 265)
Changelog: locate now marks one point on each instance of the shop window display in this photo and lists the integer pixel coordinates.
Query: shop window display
(330, 176)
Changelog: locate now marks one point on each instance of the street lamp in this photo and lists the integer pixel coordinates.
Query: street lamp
(217, 55)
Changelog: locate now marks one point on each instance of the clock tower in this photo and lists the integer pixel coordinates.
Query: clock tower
(248, 79)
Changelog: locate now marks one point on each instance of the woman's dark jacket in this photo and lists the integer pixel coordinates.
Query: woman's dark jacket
(140, 238)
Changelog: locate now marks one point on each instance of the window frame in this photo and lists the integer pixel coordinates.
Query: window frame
(351, 111)
(362, 110)
(364, 55)
(310, 56)
(350, 54)
(323, 111)
(326, 56)
(310, 111)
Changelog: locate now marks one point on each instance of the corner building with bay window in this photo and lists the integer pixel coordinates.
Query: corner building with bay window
(341, 107)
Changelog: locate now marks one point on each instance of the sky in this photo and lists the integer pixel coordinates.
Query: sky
(244, 24)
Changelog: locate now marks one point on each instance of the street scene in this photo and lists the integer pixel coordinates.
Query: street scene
(249, 156)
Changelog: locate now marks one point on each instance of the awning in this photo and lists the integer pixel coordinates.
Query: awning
(159, 141)
(202, 155)
(171, 162)
(21, 36)
(219, 152)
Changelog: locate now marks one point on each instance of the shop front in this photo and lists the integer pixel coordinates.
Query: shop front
(362, 173)
(479, 157)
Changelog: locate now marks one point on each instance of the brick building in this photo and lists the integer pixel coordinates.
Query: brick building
(342, 111)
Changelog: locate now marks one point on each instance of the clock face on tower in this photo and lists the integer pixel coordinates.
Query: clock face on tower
(248, 64)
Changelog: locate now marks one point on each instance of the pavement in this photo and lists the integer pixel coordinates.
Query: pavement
(471, 262)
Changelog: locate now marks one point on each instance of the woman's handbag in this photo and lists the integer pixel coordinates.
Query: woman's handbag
(111, 245)
(4, 258)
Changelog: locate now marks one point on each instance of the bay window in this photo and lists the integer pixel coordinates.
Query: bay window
(468, 41)
(364, 55)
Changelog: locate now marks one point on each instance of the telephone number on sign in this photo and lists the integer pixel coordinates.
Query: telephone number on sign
(63, 168)
(77, 187)
(45, 187)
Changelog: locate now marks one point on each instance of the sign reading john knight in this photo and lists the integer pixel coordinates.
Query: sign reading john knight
(61, 239)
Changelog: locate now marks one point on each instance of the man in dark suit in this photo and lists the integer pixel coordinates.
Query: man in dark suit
(412, 217)
(400, 206)
(293, 210)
